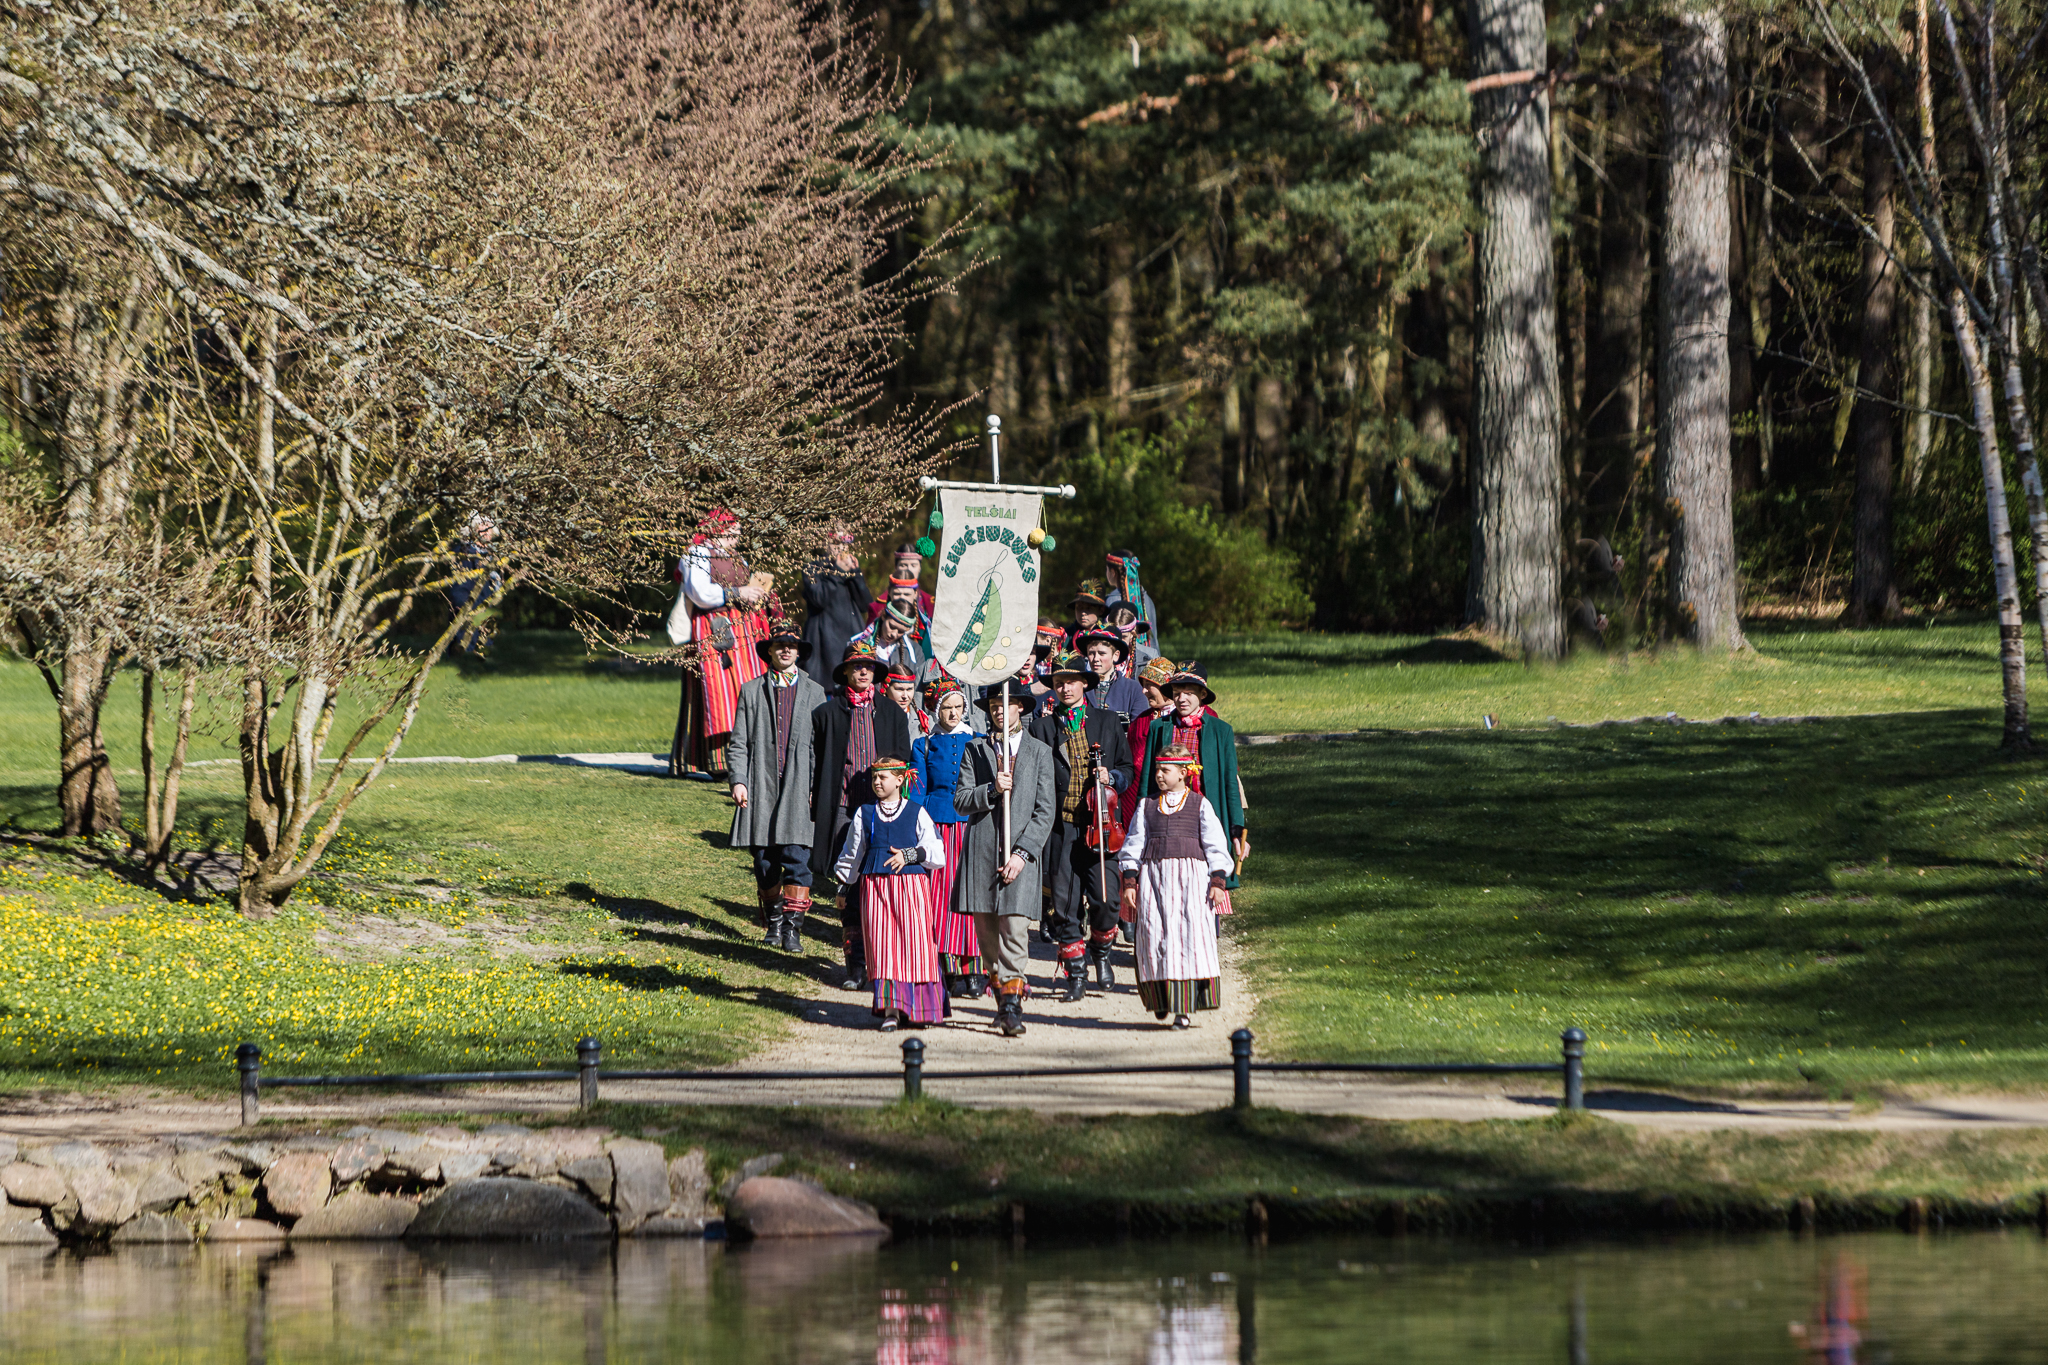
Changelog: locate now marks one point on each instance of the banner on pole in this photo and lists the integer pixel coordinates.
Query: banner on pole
(985, 609)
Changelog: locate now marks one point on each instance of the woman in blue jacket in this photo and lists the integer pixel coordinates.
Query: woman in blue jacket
(935, 762)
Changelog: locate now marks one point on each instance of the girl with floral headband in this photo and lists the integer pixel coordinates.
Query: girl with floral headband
(891, 851)
(1172, 867)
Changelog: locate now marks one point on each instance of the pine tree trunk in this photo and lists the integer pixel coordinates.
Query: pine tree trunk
(2012, 644)
(1873, 595)
(1122, 347)
(1516, 476)
(1614, 369)
(1693, 445)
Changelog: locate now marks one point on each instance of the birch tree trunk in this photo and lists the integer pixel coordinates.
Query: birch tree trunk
(1516, 478)
(1693, 445)
(2012, 644)
(1873, 593)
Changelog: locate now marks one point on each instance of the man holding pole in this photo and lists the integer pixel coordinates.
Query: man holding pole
(1088, 746)
(1006, 792)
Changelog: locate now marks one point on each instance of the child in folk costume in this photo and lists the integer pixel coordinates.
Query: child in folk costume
(935, 759)
(725, 624)
(856, 725)
(770, 766)
(891, 851)
(903, 691)
(1173, 863)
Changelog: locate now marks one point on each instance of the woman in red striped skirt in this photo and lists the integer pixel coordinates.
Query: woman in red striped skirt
(892, 850)
(936, 757)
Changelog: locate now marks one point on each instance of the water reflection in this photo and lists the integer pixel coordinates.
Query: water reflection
(1852, 1299)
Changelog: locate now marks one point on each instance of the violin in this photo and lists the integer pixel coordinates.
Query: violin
(1105, 829)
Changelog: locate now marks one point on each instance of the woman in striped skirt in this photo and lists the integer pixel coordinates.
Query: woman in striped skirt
(891, 851)
(936, 758)
(1173, 863)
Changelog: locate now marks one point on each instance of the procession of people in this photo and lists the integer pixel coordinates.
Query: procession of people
(1092, 796)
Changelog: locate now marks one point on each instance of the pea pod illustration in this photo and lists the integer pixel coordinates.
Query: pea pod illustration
(985, 626)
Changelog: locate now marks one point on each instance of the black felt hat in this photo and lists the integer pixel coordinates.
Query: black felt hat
(781, 631)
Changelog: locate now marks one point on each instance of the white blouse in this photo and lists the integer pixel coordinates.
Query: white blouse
(704, 594)
(1215, 847)
(857, 841)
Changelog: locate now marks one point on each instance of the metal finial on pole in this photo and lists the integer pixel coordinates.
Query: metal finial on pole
(995, 448)
(1574, 1067)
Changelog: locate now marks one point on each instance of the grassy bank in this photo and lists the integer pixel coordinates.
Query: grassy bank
(932, 1166)
(1820, 908)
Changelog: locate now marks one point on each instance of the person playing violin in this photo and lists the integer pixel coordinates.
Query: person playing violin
(1089, 750)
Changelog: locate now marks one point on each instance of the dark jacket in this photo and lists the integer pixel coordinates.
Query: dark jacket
(1101, 727)
(831, 730)
(835, 610)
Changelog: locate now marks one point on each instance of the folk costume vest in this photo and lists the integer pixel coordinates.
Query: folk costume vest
(884, 834)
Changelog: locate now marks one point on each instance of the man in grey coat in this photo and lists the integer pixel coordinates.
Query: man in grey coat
(769, 761)
(1004, 895)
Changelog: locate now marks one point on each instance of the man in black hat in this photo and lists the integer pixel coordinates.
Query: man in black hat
(1089, 748)
(1004, 766)
(1109, 690)
(768, 760)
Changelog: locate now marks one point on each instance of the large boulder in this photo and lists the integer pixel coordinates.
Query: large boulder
(39, 1186)
(104, 1199)
(297, 1183)
(689, 1186)
(160, 1190)
(769, 1206)
(492, 1209)
(593, 1173)
(199, 1167)
(354, 1160)
(639, 1181)
(357, 1218)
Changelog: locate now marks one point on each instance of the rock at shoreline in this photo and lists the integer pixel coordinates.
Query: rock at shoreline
(354, 1160)
(196, 1168)
(243, 1230)
(666, 1226)
(20, 1227)
(689, 1187)
(357, 1217)
(297, 1184)
(104, 1199)
(751, 1167)
(593, 1173)
(39, 1186)
(640, 1181)
(8, 1149)
(463, 1165)
(160, 1190)
(490, 1209)
(768, 1206)
(152, 1229)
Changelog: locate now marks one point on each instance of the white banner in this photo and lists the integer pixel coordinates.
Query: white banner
(985, 611)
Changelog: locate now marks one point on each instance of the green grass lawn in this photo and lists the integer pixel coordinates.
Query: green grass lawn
(1825, 907)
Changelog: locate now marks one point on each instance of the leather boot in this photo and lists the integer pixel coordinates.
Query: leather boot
(774, 918)
(796, 900)
(1105, 975)
(977, 985)
(1077, 981)
(1010, 1014)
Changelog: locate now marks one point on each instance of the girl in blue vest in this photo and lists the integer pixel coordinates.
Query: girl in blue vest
(936, 759)
(891, 850)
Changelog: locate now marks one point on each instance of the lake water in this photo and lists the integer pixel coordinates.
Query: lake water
(1875, 1298)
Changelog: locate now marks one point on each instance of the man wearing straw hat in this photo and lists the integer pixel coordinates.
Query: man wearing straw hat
(1005, 790)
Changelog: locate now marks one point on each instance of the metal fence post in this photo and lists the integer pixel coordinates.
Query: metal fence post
(249, 1060)
(1241, 1063)
(1575, 1068)
(589, 1053)
(913, 1068)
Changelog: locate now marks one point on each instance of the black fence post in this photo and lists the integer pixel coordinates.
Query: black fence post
(913, 1068)
(1575, 1068)
(1241, 1063)
(589, 1053)
(249, 1061)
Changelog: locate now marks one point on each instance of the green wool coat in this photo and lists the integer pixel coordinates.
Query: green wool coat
(1218, 757)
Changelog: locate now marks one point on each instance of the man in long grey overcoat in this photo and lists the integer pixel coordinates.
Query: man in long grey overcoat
(769, 761)
(1004, 895)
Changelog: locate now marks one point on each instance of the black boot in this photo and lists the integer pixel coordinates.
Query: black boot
(977, 985)
(1010, 1016)
(793, 931)
(775, 920)
(1105, 975)
(1077, 982)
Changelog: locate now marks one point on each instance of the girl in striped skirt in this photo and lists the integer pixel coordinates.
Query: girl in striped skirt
(936, 757)
(891, 850)
(1173, 863)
